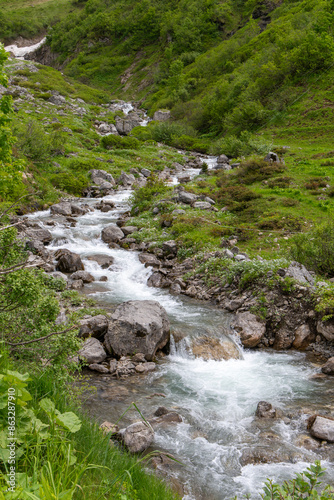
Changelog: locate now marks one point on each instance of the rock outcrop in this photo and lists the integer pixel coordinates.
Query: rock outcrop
(251, 331)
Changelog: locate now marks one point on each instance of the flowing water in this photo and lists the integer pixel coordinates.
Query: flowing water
(216, 400)
(21, 52)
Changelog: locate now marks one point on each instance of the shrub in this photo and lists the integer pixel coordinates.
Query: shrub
(119, 142)
(256, 170)
(143, 197)
(316, 249)
(73, 184)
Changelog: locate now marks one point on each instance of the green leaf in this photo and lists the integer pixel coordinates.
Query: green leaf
(69, 421)
(47, 405)
(23, 377)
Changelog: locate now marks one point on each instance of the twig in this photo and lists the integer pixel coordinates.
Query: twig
(41, 338)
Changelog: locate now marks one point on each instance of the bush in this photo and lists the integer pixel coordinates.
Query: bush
(316, 249)
(143, 197)
(118, 142)
(73, 184)
(243, 145)
(35, 143)
(256, 170)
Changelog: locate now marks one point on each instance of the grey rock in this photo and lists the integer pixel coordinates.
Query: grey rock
(239, 257)
(146, 172)
(104, 261)
(326, 329)
(155, 280)
(265, 410)
(299, 273)
(323, 428)
(137, 437)
(187, 198)
(92, 351)
(129, 230)
(162, 410)
(112, 234)
(272, 157)
(113, 366)
(202, 205)
(58, 100)
(161, 116)
(126, 180)
(223, 159)
(96, 326)
(59, 275)
(251, 331)
(302, 333)
(78, 210)
(178, 211)
(98, 176)
(68, 262)
(169, 247)
(40, 234)
(149, 260)
(145, 367)
(328, 367)
(175, 289)
(138, 326)
(209, 200)
(63, 208)
(85, 276)
(228, 253)
(76, 285)
(98, 368)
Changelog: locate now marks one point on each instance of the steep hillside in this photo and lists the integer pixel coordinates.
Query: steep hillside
(223, 67)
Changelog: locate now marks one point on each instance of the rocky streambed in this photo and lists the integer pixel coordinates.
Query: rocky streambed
(208, 385)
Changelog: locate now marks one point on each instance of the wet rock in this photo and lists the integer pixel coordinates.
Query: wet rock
(137, 437)
(113, 366)
(103, 278)
(68, 262)
(328, 367)
(92, 351)
(125, 367)
(265, 410)
(251, 331)
(299, 273)
(326, 329)
(175, 289)
(212, 348)
(307, 442)
(149, 260)
(78, 210)
(302, 334)
(76, 285)
(283, 338)
(162, 410)
(145, 367)
(171, 417)
(63, 208)
(161, 116)
(104, 261)
(96, 326)
(156, 280)
(112, 234)
(322, 428)
(98, 368)
(85, 276)
(138, 326)
(187, 198)
(261, 455)
(38, 234)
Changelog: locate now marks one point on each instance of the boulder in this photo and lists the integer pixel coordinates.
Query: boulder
(323, 428)
(96, 326)
(125, 125)
(156, 280)
(169, 247)
(272, 157)
(98, 176)
(138, 326)
(328, 367)
(112, 234)
(145, 172)
(149, 260)
(68, 262)
(175, 289)
(299, 273)
(283, 338)
(187, 198)
(107, 427)
(145, 367)
(78, 210)
(92, 351)
(85, 276)
(40, 234)
(202, 205)
(63, 208)
(212, 348)
(58, 100)
(302, 333)
(76, 285)
(250, 330)
(104, 261)
(137, 437)
(126, 180)
(129, 230)
(161, 116)
(265, 410)
(326, 329)
(222, 159)
(98, 368)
